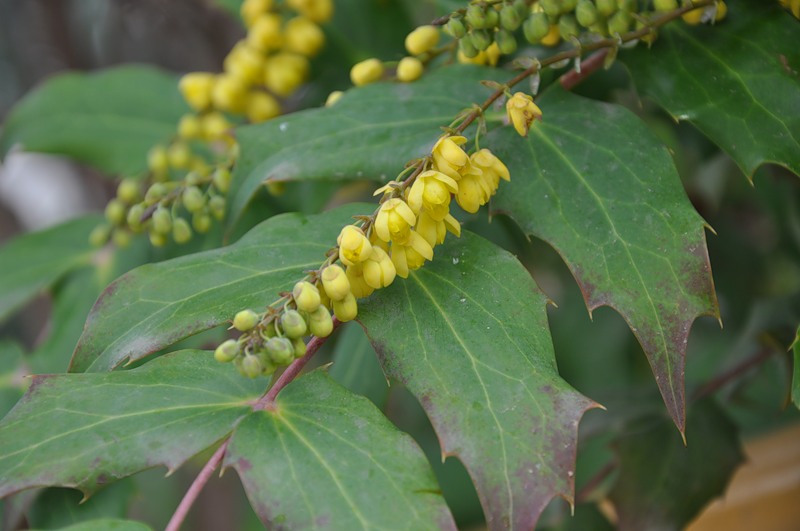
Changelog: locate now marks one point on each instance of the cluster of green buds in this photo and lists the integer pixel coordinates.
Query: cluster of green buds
(486, 30)
(190, 175)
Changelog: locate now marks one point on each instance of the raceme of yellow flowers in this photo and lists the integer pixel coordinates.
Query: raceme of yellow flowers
(193, 170)
(412, 219)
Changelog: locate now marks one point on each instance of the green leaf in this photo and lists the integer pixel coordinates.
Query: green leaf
(595, 183)
(34, 261)
(55, 507)
(370, 133)
(157, 305)
(108, 120)
(736, 81)
(468, 336)
(12, 375)
(663, 484)
(326, 458)
(108, 524)
(796, 377)
(86, 430)
(356, 367)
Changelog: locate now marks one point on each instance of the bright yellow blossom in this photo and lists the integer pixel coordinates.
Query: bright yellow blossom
(411, 255)
(354, 247)
(432, 191)
(522, 112)
(422, 39)
(435, 231)
(379, 271)
(448, 157)
(394, 221)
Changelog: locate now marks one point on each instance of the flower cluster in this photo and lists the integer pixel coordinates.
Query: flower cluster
(189, 177)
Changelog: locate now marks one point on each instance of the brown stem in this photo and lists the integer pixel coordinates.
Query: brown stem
(197, 485)
(588, 67)
(719, 381)
(267, 401)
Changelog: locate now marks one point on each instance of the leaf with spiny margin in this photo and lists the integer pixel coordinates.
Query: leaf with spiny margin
(596, 184)
(796, 375)
(108, 119)
(327, 458)
(370, 133)
(34, 261)
(736, 81)
(107, 524)
(85, 430)
(468, 335)
(157, 305)
(663, 484)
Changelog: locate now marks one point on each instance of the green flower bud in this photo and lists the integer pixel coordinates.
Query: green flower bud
(482, 39)
(476, 17)
(293, 324)
(162, 221)
(627, 5)
(245, 320)
(222, 179)
(280, 350)
(455, 27)
(193, 199)
(99, 235)
(551, 7)
(299, 347)
(346, 309)
(115, 212)
(606, 7)
(157, 239)
(268, 366)
(121, 238)
(227, 351)
(306, 296)
(155, 193)
(535, 27)
(586, 13)
(335, 282)
(505, 41)
(201, 222)
(466, 46)
(619, 22)
(568, 6)
(568, 26)
(251, 366)
(134, 217)
(128, 191)
(492, 18)
(217, 207)
(181, 231)
(665, 5)
(510, 18)
(320, 322)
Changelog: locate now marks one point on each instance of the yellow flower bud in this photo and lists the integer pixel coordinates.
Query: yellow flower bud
(265, 33)
(409, 69)
(196, 88)
(448, 157)
(365, 72)
(245, 63)
(229, 94)
(189, 126)
(157, 159)
(245, 320)
(522, 112)
(333, 97)
(284, 72)
(488, 57)
(346, 309)
(227, 351)
(179, 155)
(252, 9)
(129, 191)
(378, 271)
(320, 323)
(432, 191)
(412, 255)
(317, 10)
(422, 39)
(470, 195)
(358, 286)
(261, 107)
(354, 247)
(306, 296)
(181, 231)
(553, 36)
(303, 36)
(335, 282)
(394, 221)
(215, 126)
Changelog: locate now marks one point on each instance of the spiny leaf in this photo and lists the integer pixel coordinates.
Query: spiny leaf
(325, 458)
(157, 305)
(737, 81)
(370, 133)
(595, 183)
(109, 119)
(35, 261)
(468, 335)
(663, 484)
(85, 430)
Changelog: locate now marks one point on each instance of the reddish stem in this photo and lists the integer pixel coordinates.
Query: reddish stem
(199, 482)
(588, 67)
(268, 400)
(716, 383)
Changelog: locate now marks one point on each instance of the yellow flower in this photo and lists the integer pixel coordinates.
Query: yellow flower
(480, 180)
(394, 221)
(411, 255)
(448, 157)
(284, 72)
(409, 69)
(358, 285)
(317, 10)
(435, 231)
(365, 72)
(261, 107)
(244, 62)
(335, 283)
(196, 88)
(431, 191)
(522, 112)
(354, 247)
(379, 271)
(303, 37)
(471, 193)
(265, 32)
(422, 39)
(490, 56)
